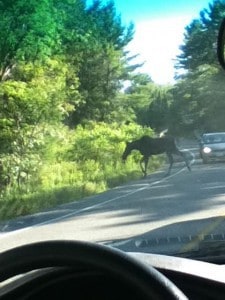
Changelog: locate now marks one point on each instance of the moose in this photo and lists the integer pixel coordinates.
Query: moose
(149, 146)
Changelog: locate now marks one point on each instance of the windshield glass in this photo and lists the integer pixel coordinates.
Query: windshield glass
(214, 138)
(103, 105)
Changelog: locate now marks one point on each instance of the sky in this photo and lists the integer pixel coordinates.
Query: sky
(159, 29)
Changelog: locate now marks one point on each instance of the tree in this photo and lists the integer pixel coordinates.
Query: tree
(28, 33)
(36, 96)
(147, 103)
(199, 95)
(199, 102)
(103, 64)
(200, 38)
(158, 113)
(137, 96)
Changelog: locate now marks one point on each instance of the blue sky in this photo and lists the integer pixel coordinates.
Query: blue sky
(159, 29)
(138, 10)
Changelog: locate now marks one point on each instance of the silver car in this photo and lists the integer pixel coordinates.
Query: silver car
(212, 146)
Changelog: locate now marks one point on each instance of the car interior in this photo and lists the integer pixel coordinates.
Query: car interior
(73, 269)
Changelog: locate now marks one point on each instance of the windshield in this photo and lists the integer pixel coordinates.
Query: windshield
(214, 138)
(102, 107)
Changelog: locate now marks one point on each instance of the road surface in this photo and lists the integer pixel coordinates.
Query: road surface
(157, 214)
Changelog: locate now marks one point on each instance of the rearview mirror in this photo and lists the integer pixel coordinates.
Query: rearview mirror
(220, 44)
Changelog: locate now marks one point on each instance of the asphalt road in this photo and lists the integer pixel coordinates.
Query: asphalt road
(157, 214)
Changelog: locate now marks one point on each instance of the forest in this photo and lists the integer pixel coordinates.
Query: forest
(64, 114)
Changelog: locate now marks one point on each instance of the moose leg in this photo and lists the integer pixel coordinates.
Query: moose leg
(170, 157)
(183, 155)
(144, 161)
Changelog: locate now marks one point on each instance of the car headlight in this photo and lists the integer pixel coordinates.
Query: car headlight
(207, 150)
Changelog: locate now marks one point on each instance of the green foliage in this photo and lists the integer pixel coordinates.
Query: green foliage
(199, 101)
(198, 97)
(107, 25)
(158, 113)
(103, 143)
(102, 63)
(89, 40)
(28, 33)
(201, 38)
(36, 95)
(99, 82)
(147, 103)
(71, 164)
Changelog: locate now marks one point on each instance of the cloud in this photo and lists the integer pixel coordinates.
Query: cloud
(157, 41)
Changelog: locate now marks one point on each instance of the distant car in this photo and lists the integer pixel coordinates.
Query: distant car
(212, 147)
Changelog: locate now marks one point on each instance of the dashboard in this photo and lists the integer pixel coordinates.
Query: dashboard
(197, 279)
(81, 270)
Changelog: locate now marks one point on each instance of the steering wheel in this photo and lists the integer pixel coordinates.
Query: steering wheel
(146, 280)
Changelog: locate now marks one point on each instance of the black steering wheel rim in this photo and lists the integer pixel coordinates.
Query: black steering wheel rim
(151, 283)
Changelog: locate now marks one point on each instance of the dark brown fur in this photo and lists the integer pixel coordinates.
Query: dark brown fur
(152, 146)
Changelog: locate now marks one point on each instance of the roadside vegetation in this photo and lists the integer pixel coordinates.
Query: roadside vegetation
(70, 165)
(64, 114)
